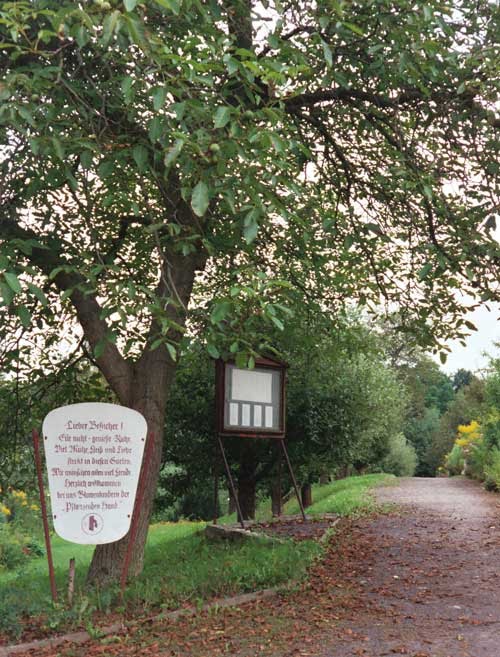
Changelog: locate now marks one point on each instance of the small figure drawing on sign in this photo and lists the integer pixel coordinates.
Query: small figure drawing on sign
(92, 524)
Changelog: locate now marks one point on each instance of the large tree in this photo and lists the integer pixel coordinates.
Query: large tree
(344, 148)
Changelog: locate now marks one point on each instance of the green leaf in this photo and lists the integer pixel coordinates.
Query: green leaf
(427, 192)
(222, 117)
(348, 242)
(354, 28)
(327, 51)
(173, 152)
(424, 272)
(213, 351)
(58, 147)
(24, 315)
(127, 83)
(86, 159)
(26, 114)
(220, 311)
(109, 26)
(443, 357)
(159, 94)
(155, 129)
(7, 293)
(200, 199)
(13, 282)
(156, 344)
(277, 322)
(172, 351)
(140, 154)
(250, 232)
(241, 360)
(39, 294)
(173, 5)
(130, 5)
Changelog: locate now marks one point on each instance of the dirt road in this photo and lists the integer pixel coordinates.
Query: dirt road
(422, 582)
(434, 574)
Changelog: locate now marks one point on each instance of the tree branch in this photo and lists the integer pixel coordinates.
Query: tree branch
(112, 364)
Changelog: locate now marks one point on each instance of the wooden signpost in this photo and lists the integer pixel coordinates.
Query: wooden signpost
(250, 403)
(93, 453)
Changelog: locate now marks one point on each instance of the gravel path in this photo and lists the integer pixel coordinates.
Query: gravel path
(423, 581)
(432, 574)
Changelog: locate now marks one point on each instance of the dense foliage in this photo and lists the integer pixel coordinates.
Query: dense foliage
(476, 447)
(345, 410)
(337, 150)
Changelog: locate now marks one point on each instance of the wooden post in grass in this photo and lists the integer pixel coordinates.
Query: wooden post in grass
(71, 581)
(43, 508)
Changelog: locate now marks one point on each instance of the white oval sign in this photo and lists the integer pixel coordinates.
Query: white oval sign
(94, 455)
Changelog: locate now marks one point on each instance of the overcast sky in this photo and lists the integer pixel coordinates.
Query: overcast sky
(472, 356)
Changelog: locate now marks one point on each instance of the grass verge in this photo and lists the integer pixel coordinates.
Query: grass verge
(181, 568)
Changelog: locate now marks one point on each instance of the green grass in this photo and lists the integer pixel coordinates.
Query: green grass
(343, 496)
(181, 567)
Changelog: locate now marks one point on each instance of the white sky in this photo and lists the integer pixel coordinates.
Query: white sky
(472, 357)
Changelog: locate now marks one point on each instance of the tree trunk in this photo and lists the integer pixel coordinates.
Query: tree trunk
(276, 504)
(324, 478)
(150, 388)
(146, 390)
(306, 495)
(231, 503)
(343, 472)
(247, 482)
(246, 497)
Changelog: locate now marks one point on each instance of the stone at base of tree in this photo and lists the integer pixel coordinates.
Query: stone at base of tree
(236, 534)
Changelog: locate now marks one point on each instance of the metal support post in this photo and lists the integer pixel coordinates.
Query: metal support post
(216, 489)
(43, 508)
(297, 492)
(231, 482)
(280, 500)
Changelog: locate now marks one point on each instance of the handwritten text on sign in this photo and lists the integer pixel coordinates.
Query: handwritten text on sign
(94, 454)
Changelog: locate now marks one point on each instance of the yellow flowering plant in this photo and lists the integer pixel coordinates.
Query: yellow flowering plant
(16, 507)
(20, 528)
(468, 436)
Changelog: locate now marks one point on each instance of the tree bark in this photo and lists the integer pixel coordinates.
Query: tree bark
(343, 472)
(152, 378)
(306, 495)
(150, 389)
(247, 482)
(231, 503)
(276, 503)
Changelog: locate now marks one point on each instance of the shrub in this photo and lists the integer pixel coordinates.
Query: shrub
(477, 459)
(455, 461)
(402, 458)
(492, 470)
(20, 530)
(13, 552)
